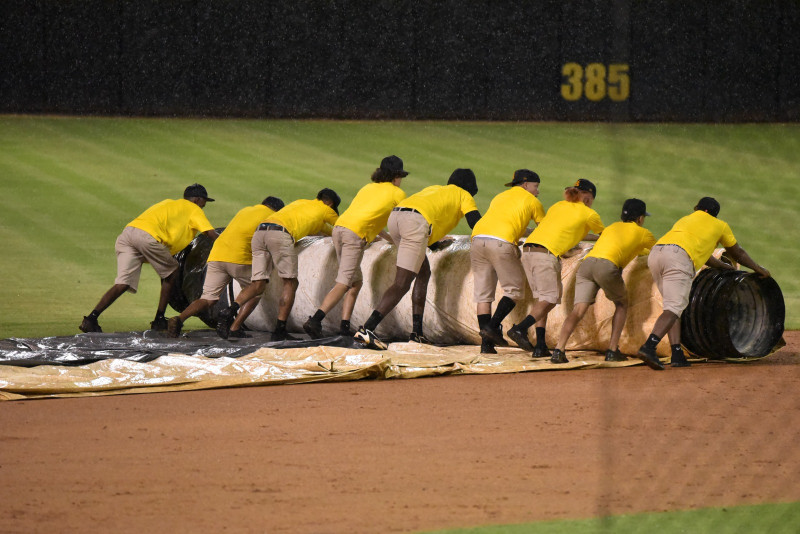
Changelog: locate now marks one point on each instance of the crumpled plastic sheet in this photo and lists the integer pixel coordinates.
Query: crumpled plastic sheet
(216, 364)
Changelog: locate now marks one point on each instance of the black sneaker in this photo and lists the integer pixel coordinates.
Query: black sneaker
(495, 336)
(416, 337)
(345, 332)
(680, 362)
(238, 334)
(558, 357)
(487, 347)
(542, 352)
(224, 322)
(282, 336)
(648, 356)
(369, 339)
(503, 341)
(520, 338)
(89, 324)
(313, 328)
(174, 326)
(615, 356)
(159, 324)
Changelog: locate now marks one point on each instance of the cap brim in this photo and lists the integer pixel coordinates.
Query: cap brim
(209, 199)
(509, 184)
(648, 214)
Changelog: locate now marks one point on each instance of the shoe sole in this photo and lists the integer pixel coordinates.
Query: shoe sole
(374, 343)
(654, 365)
(521, 342)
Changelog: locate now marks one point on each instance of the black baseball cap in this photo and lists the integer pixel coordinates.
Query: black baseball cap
(196, 190)
(633, 208)
(586, 185)
(709, 205)
(394, 165)
(523, 175)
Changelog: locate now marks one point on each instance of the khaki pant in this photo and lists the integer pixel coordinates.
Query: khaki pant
(135, 247)
(349, 249)
(544, 275)
(493, 260)
(273, 249)
(220, 273)
(672, 271)
(599, 273)
(410, 232)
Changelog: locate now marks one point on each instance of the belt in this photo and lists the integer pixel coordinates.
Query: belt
(273, 226)
(406, 209)
(535, 247)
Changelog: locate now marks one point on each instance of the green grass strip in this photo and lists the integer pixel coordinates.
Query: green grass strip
(68, 185)
(766, 518)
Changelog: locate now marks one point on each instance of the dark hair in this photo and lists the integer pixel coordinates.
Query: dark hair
(330, 195)
(385, 175)
(273, 203)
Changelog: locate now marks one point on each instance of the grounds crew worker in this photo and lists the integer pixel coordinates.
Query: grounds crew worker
(673, 262)
(420, 221)
(564, 225)
(359, 225)
(495, 255)
(154, 237)
(230, 258)
(273, 248)
(602, 269)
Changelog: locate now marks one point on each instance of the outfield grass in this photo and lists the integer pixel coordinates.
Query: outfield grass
(767, 518)
(69, 185)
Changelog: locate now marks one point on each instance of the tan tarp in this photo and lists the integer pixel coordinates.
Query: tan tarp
(181, 372)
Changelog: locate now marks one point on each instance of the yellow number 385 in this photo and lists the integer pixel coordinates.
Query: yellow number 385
(596, 82)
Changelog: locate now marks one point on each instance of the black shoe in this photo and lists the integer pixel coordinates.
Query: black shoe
(541, 352)
(238, 334)
(416, 337)
(159, 324)
(680, 362)
(495, 336)
(487, 347)
(503, 341)
(558, 357)
(369, 339)
(345, 332)
(313, 328)
(648, 356)
(281, 336)
(174, 326)
(224, 322)
(520, 338)
(89, 324)
(615, 356)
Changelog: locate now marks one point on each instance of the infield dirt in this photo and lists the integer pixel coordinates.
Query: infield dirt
(406, 455)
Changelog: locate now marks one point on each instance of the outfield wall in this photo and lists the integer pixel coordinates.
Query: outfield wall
(629, 60)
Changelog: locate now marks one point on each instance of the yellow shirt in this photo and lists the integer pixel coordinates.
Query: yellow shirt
(368, 212)
(442, 206)
(305, 217)
(621, 242)
(509, 214)
(698, 234)
(173, 223)
(233, 244)
(564, 225)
